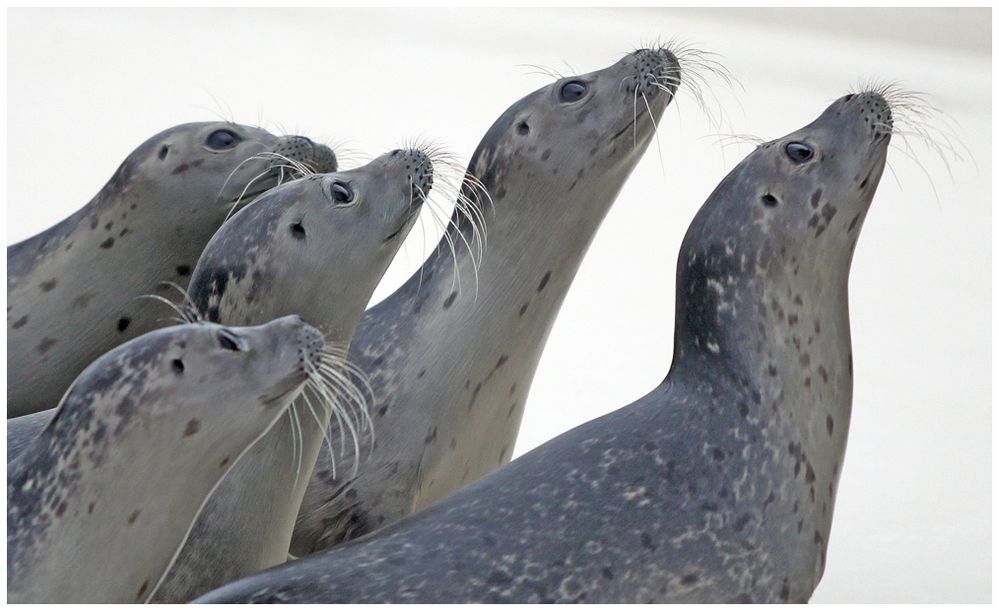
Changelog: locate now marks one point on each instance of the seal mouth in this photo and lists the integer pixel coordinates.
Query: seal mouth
(281, 396)
(405, 221)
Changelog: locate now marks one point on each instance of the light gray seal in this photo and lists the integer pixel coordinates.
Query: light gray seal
(100, 502)
(316, 247)
(451, 369)
(72, 290)
(717, 486)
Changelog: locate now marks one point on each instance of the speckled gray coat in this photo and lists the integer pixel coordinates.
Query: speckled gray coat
(717, 486)
(72, 290)
(451, 369)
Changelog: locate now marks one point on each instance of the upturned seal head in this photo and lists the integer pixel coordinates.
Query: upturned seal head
(210, 168)
(100, 502)
(317, 246)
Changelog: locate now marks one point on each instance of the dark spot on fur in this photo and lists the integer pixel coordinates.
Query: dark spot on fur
(450, 299)
(297, 231)
(717, 454)
(108, 243)
(785, 591)
(178, 366)
(225, 461)
(741, 522)
(123, 323)
(142, 590)
(607, 572)
(815, 198)
(193, 425)
(523, 128)
(688, 579)
(45, 344)
(183, 270)
(523, 309)
(48, 285)
(421, 374)
(769, 200)
(546, 155)
(544, 280)
(647, 541)
(383, 410)
(502, 453)
(829, 425)
(135, 516)
(20, 322)
(90, 508)
(180, 169)
(853, 223)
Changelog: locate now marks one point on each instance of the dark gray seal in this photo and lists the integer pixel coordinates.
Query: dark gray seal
(100, 502)
(719, 484)
(316, 247)
(72, 289)
(451, 368)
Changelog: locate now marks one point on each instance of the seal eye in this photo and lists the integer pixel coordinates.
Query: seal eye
(799, 152)
(222, 139)
(230, 341)
(341, 192)
(572, 91)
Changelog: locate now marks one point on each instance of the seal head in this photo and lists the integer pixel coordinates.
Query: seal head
(100, 502)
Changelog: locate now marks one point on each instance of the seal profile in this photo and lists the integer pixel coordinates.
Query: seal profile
(317, 247)
(450, 368)
(717, 486)
(100, 502)
(72, 290)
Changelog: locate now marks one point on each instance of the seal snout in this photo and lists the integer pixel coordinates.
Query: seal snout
(874, 109)
(656, 70)
(317, 158)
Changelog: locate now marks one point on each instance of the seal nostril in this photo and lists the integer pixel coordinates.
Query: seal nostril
(178, 366)
(769, 201)
(523, 128)
(297, 231)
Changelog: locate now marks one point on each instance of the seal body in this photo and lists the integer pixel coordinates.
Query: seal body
(451, 368)
(717, 486)
(100, 502)
(316, 247)
(72, 290)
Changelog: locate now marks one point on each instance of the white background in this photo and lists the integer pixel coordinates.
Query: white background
(913, 514)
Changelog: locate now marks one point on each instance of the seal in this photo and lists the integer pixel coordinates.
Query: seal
(317, 247)
(100, 502)
(72, 289)
(716, 486)
(451, 368)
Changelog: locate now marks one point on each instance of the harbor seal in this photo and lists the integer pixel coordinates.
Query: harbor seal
(451, 368)
(717, 486)
(72, 289)
(99, 503)
(317, 247)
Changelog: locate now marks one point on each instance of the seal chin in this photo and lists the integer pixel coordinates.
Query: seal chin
(293, 386)
(414, 210)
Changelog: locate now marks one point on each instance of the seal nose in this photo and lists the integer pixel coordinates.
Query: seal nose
(318, 158)
(875, 110)
(656, 70)
(419, 171)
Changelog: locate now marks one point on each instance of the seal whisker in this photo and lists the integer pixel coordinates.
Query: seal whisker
(325, 428)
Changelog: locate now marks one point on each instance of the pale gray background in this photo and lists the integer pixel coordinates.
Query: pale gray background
(913, 514)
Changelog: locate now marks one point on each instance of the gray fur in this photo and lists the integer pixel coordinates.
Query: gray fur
(72, 290)
(451, 370)
(294, 250)
(99, 503)
(717, 486)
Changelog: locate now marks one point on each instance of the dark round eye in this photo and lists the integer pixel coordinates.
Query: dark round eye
(572, 91)
(342, 193)
(230, 341)
(799, 152)
(222, 139)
